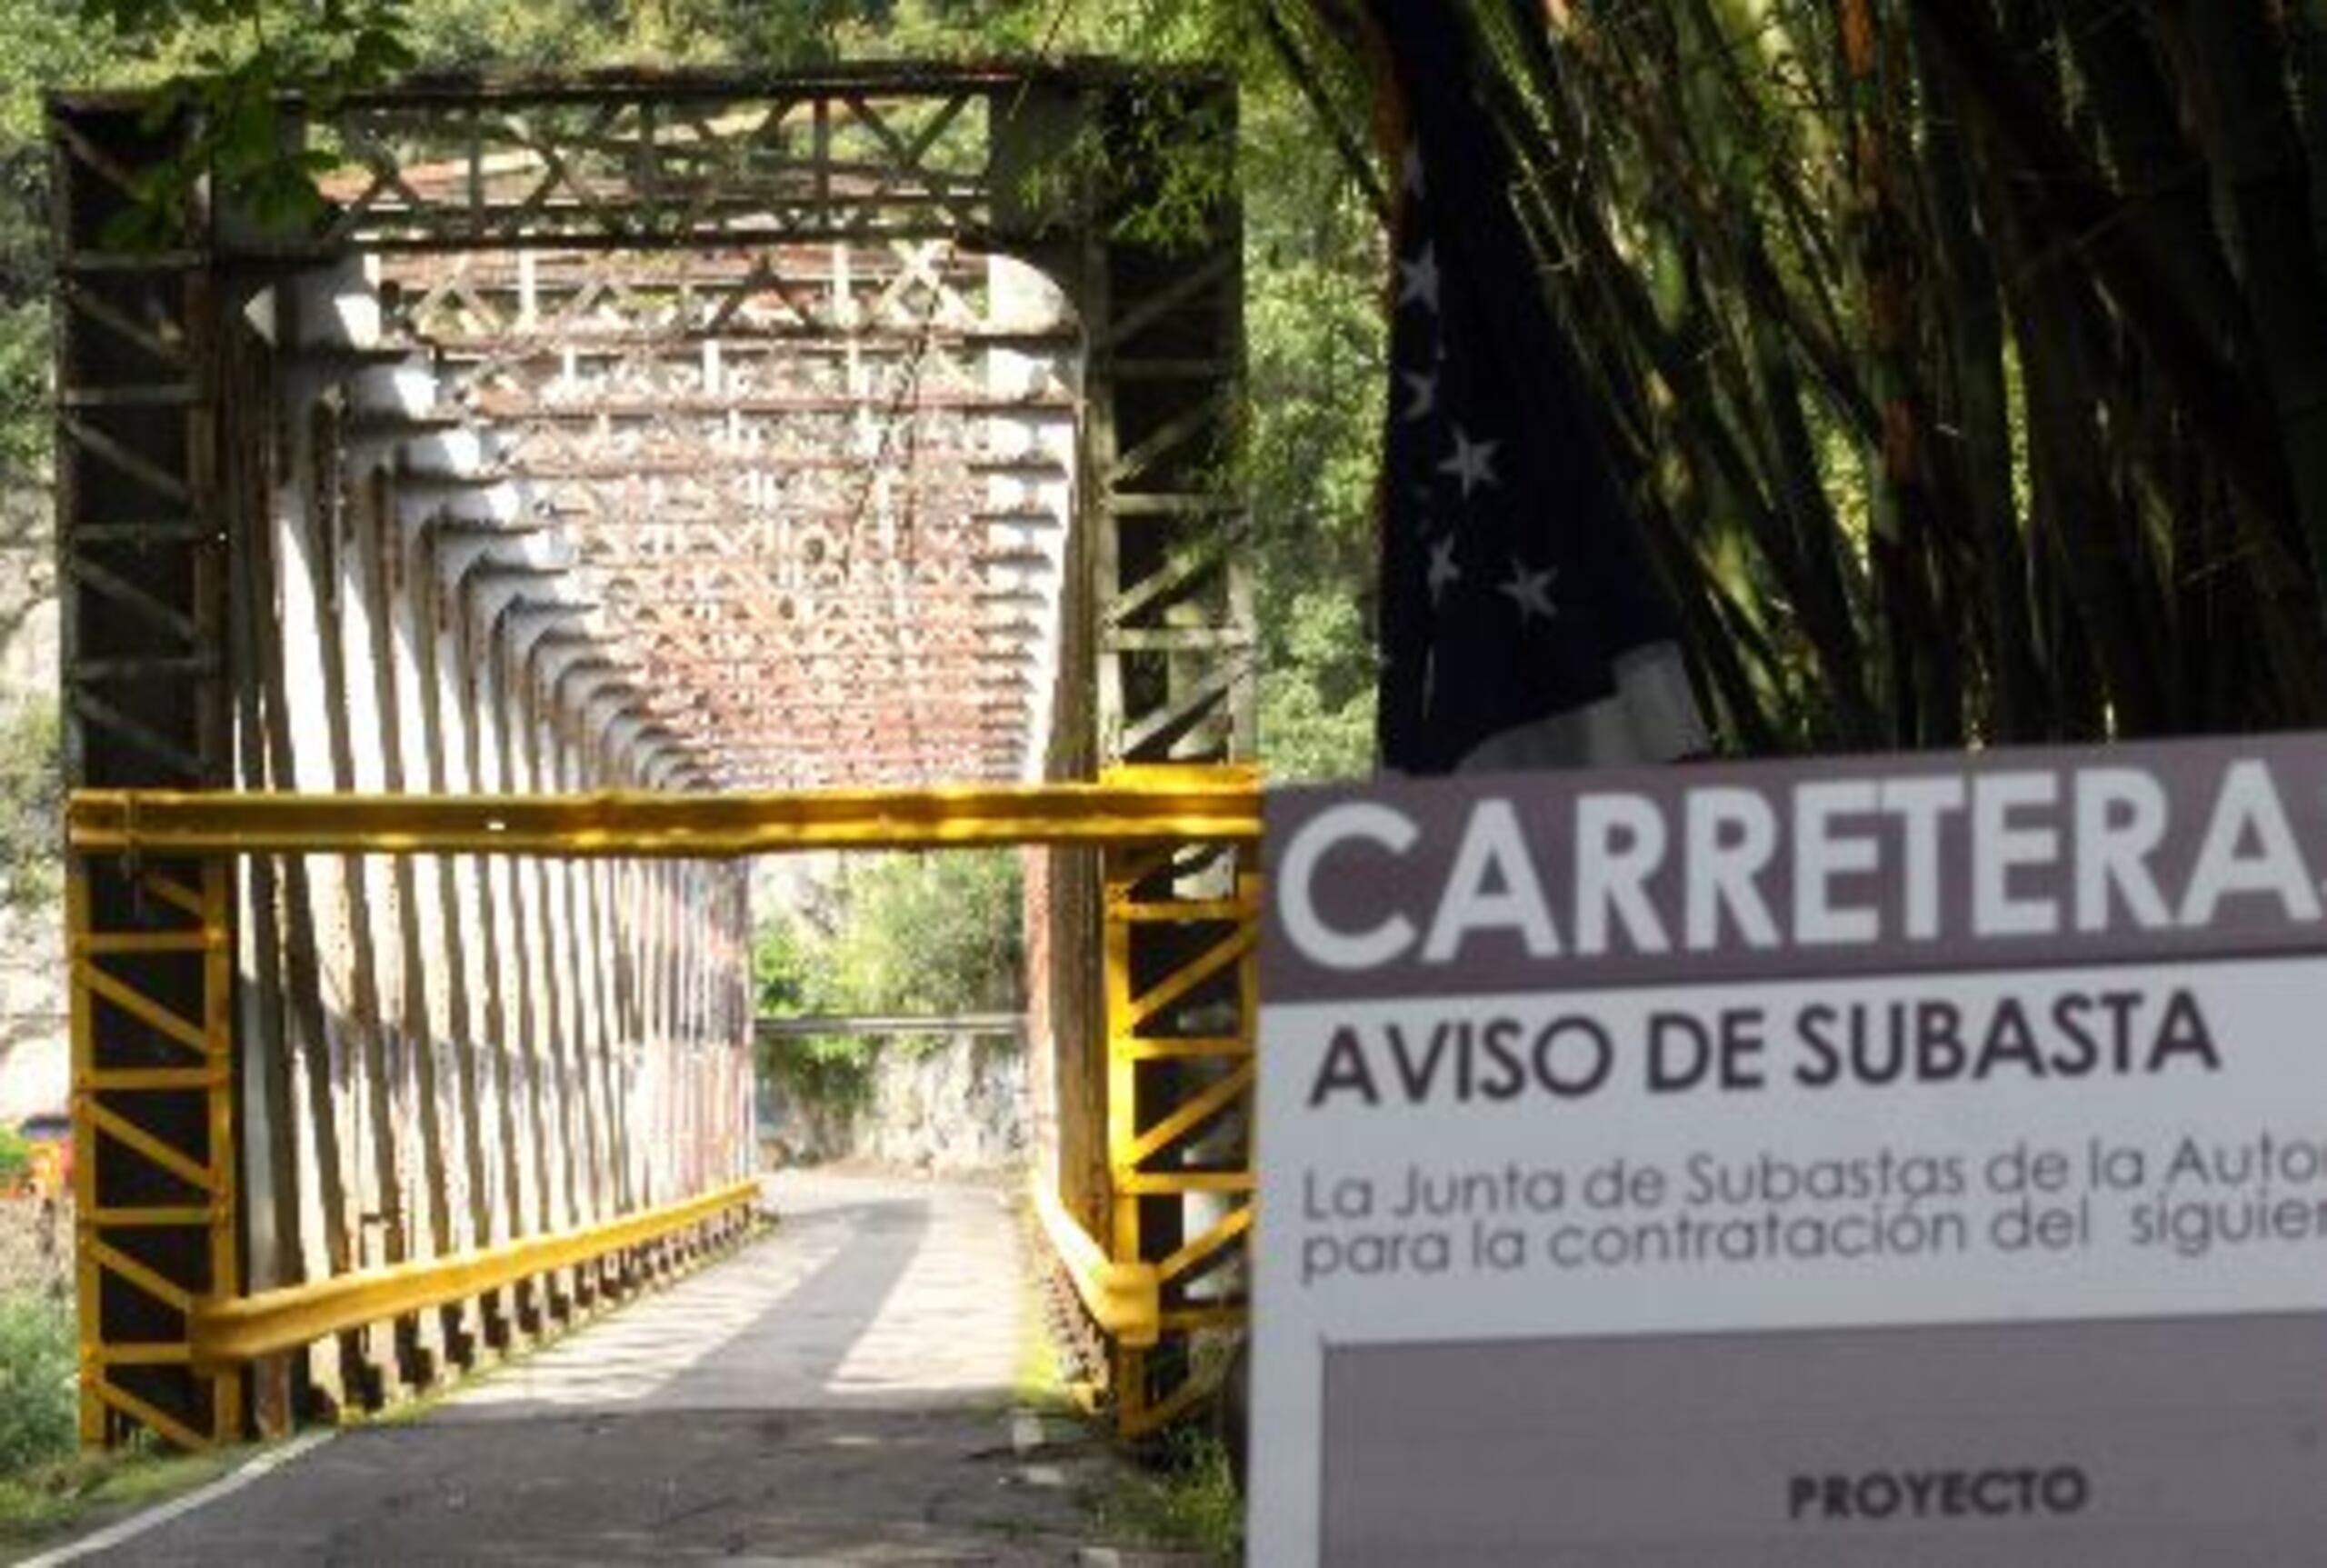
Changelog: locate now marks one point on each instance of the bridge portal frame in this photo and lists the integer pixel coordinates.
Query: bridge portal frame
(160, 629)
(1145, 819)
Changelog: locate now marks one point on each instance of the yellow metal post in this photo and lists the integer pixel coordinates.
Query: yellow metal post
(1204, 942)
(130, 1167)
(218, 1051)
(1130, 1361)
(86, 1281)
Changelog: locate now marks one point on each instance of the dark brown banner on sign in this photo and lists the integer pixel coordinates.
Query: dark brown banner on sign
(1765, 871)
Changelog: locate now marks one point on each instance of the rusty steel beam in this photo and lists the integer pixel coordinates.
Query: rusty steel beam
(844, 742)
(711, 269)
(544, 409)
(768, 555)
(803, 341)
(718, 461)
(905, 648)
(765, 529)
(657, 600)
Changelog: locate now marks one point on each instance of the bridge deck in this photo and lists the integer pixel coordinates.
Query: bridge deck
(843, 1391)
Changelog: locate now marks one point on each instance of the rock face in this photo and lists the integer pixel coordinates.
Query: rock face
(28, 624)
(35, 1061)
(956, 1109)
(34, 1065)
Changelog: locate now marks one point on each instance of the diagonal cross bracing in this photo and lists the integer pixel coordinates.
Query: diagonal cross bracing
(904, 489)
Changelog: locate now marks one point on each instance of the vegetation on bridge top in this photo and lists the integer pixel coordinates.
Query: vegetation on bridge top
(1969, 362)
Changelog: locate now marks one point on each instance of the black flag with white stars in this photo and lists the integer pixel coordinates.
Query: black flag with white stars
(1520, 626)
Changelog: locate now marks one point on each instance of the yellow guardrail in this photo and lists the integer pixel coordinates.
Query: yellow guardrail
(273, 1321)
(1163, 804)
(1124, 1299)
(1144, 808)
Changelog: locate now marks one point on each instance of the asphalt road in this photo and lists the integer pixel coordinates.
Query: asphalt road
(841, 1391)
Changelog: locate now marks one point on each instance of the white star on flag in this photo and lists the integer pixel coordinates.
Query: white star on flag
(1473, 462)
(1419, 279)
(1519, 619)
(1442, 570)
(1421, 387)
(1531, 591)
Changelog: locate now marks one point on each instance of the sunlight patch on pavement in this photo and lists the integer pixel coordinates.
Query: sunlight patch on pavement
(950, 1325)
(636, 1353)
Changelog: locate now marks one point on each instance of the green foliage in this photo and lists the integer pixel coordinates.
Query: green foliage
(38, 1361)
(2005, 505)
(790, 979)
(807, 32)
(937, 933)
(16, 1158)
(909, 934)
(31, 799)
(223, 66)
(1317, 352)
(1316, 695)
(23, 390)
(42, 44)
(1187, 1500)
(834, 1071)
(782, 968)
(44, 1501)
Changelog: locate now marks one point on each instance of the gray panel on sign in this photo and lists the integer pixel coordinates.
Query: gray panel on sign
(2199, 1442)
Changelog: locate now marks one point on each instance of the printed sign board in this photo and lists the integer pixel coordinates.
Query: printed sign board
(1903, 1160)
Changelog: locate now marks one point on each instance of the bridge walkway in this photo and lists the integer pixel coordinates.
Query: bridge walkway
(845, 1391)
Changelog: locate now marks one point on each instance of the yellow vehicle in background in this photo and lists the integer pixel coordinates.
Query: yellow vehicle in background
(49, 1136)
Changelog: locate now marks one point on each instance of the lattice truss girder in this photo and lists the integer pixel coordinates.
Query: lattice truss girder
(969, 156)
(873, 155)
(833, 446)
(829, 299)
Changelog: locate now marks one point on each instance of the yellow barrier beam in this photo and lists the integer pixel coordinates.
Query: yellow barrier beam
(1124, 1299)
(273, 1321)
(1141, 805)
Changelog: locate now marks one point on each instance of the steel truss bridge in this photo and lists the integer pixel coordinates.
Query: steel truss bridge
(626, 477)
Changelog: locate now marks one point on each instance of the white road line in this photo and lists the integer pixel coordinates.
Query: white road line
(154, 1518)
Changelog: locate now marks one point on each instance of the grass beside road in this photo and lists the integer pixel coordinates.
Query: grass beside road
(1176, 1496)
(1183, 1499)
(47, 1486)
(43, 1505)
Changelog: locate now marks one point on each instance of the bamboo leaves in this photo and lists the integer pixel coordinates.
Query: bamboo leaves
(1972, 353)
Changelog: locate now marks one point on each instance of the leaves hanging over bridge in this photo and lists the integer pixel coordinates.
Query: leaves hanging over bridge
(1969, 361)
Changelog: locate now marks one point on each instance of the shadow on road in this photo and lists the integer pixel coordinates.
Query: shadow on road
(837, 1393)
